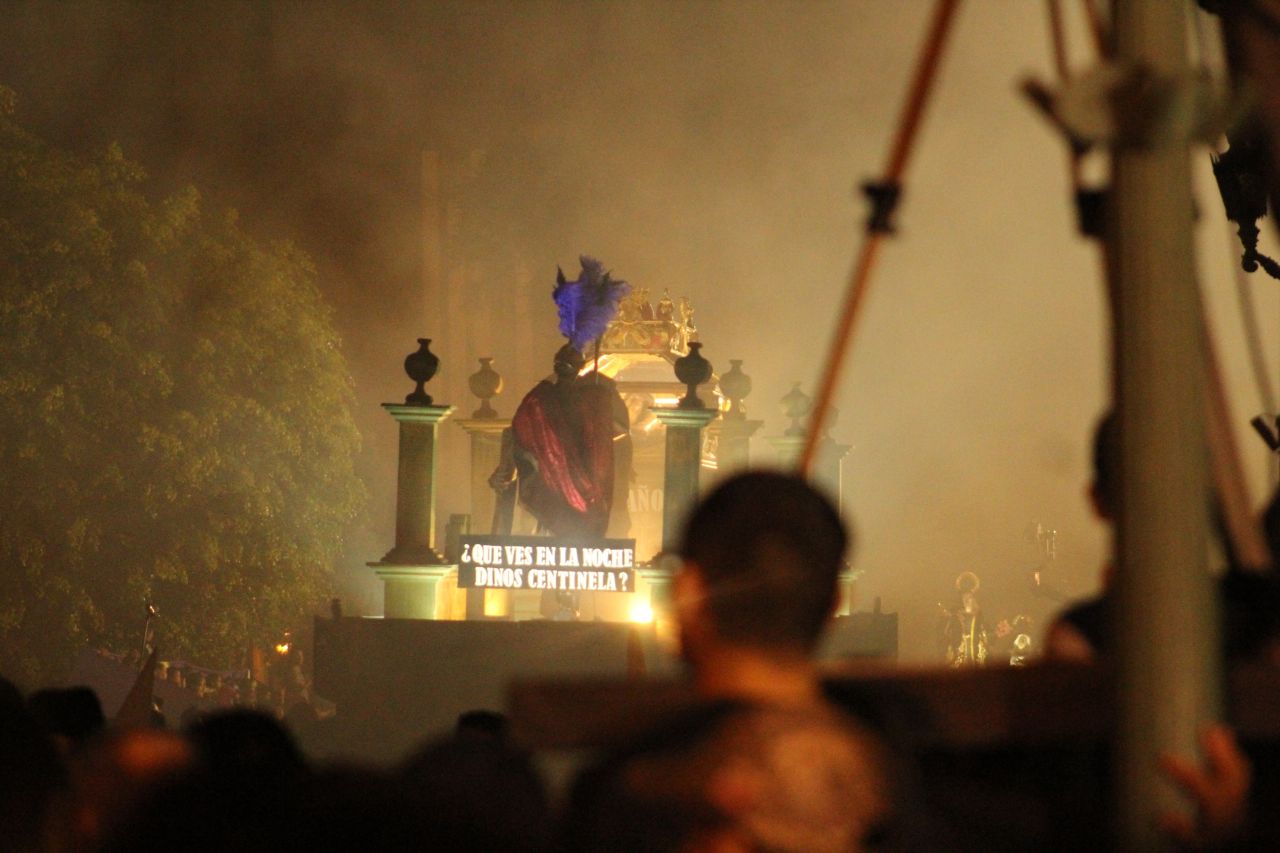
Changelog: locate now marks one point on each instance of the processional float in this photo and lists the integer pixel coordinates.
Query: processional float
(606, 455)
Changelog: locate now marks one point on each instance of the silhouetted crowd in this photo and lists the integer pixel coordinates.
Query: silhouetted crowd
(763, 760)
(236, 780)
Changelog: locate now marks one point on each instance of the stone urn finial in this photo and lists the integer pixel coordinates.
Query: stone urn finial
(421, 366)
(796, 405)
(735, 385)
(485, 383)
(692, 370)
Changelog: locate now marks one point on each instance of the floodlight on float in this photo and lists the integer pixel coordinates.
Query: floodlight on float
(641, 612)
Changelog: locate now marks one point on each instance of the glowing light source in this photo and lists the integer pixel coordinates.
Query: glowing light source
(497, 602)
(282, 648)
(641, 612)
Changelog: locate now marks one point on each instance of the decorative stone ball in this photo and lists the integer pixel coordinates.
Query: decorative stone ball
(735, 385)
(422, 364)
(693, 369)
(796, 404)
(485, 382)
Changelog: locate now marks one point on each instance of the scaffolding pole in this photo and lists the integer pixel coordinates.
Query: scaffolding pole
(1166, 627)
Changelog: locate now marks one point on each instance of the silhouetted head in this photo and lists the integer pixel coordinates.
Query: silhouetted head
(764, 551)
(483, 795)
(250, 743)
(117, 776)
(232, 795)
(10, 696)
(73, 714)
(354, 808)
(482, 724)
(31, 773)
(568, 362)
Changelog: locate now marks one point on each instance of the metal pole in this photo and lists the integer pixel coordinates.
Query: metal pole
(1166, 630)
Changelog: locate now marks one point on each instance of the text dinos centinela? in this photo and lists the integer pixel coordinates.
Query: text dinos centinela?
(572, 580)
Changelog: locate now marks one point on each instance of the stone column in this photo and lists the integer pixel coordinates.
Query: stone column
(655, 581)
(795, 405)
(683, 464)
(680, 493)
(828, 475)
(485, 429)
(416, 484)
(486, 450)
(827, 472)
(829, 468)
(787, 448)
(681, 473)
(412, 570)
(412, 592)
(734, 450)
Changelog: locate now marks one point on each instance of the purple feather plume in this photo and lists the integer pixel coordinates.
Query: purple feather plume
(588, 304)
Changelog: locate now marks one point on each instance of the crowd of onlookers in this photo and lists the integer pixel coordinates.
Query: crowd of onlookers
(235, 779)
(275, 684)
(763, 761)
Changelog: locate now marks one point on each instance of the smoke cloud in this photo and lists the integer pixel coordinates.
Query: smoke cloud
(708, 148)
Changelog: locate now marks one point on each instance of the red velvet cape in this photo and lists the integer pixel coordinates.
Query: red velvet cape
(564, 432)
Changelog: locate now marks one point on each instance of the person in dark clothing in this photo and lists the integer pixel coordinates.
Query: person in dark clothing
(239, 778)
(482, 794)
(32, 774)
(767, 762)
(1250, 630)
(71, 716)
(1250, 600)
(561, 457)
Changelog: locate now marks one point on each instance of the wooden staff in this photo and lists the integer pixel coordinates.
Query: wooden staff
(884, 194)
(1098, 29)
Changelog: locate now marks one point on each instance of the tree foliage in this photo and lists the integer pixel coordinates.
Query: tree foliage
(175, 418)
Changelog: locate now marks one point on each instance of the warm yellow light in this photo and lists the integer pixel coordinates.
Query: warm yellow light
(282, 648)
(497, 602)
(641, 612)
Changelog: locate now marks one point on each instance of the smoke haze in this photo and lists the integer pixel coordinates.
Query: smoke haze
(708, 148)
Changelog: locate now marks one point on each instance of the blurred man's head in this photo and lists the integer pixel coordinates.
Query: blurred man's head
(70, 715)
(762, 555)
(116, 778)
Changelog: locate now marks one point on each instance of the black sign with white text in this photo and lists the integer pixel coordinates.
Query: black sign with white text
(541, 562)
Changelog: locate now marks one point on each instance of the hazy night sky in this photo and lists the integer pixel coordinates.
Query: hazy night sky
(706, 147)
